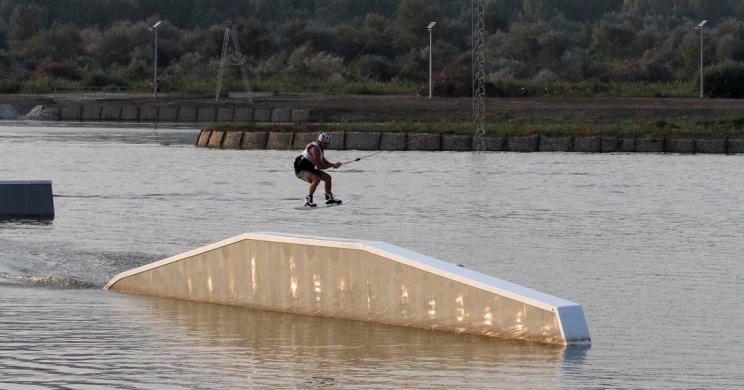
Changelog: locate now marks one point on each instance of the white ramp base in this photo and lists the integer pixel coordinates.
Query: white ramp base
(357, 280)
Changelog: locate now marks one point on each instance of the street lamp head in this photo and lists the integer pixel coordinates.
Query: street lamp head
(431, 25)
(699, 26)
(157, 24)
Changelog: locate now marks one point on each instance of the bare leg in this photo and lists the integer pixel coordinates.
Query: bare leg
(327, 182)
(313, 185)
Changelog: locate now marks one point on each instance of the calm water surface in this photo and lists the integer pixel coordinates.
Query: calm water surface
(650, 245)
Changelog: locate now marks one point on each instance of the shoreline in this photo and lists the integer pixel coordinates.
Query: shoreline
(433, 142)
(367, 122)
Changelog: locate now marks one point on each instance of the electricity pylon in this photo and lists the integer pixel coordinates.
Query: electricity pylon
(230, 34)
(479, 75)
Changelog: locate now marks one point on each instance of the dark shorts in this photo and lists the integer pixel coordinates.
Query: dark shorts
(305, 170)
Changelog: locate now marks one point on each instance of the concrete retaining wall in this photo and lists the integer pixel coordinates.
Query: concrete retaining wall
(26, 199)
(375, 140)
(179, 113)
(357, 140)
(357, 280)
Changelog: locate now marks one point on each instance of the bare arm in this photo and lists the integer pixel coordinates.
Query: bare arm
(321, 162)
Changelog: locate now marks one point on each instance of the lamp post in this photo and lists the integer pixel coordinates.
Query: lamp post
(430, 27)
(702, 77)
(155, 77)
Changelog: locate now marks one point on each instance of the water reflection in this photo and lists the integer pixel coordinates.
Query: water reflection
(252, 343)
(15, 222)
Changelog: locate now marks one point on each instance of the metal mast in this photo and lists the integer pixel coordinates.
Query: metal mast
(479, 75)
(230, 34)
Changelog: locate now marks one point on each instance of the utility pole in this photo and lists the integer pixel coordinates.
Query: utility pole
(430, 27)
(155, 76)
(230, 34)
(702, 75)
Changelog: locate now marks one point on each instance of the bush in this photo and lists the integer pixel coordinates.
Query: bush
(725, 80)
(10, 86)
(96, 79)
(40, 85)
(453, 81)
(371, 68)
(60, 70)
(100, 78)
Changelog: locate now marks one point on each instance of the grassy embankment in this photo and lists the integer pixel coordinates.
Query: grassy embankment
(728, 123)
(713, 125)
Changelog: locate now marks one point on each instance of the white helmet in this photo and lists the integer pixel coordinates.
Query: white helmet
(324, 137)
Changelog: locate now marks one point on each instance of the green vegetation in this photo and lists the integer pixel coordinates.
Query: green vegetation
(639, 48)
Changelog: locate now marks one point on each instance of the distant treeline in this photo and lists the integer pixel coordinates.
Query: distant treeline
(311, 44)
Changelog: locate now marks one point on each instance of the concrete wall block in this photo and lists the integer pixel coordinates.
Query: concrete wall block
(281, 115)
(554, 143)
(206, 114)
(680, 145)
(71, 112)
(610, 144)
(393, 141)
(302, 139)
(187, 114)
(496, 143)
(168, 114)
(628, 144)
(427, 142)
(587, 144)
(710, 145)
(457, 142)
(522, 143)
(262, 115)
(91, 113)
(225, 114)
(300, 115)
(130, 113)
(244, 114)
(232, 140)
(149, 114)
(650, 144)
(215, 140)
(279, 141)
(736, 145)
(362, 140)
(338, 139)
(111, 113)
(203, 139)
(254, 140)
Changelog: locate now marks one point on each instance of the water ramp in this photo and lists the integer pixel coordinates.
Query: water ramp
(357, 280)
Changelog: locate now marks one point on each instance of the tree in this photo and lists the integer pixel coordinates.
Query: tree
(371, 68)
(118, 42)
(63, 42)
(500, 14)
(535, 10)
(410, 24)
(729, 38)
(25, 22)
(615, 42)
